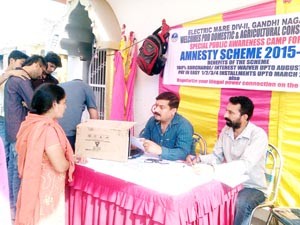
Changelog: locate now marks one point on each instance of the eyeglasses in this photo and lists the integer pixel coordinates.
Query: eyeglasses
(161, 107)
(160, 161)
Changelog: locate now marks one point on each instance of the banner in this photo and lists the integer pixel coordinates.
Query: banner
(256, 54)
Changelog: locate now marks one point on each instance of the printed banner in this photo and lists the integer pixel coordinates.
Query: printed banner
(259, 54)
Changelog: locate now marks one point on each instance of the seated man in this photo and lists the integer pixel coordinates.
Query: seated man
(241, 149)
(168, 134)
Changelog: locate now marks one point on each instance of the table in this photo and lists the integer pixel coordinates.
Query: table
(139, 193)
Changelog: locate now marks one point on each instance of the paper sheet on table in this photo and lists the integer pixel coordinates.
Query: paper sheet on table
(163, 178)
(232, 181)
(137, 142)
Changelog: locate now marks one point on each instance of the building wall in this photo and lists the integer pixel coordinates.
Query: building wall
(143, 17)
(281, 117)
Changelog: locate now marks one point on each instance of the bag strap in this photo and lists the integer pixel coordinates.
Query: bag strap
(164, 34)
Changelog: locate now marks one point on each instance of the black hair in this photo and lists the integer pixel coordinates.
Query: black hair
(16, 54)
(35, 59)
(44, 97)
(171, 97)
(247, 106)
(53, 58)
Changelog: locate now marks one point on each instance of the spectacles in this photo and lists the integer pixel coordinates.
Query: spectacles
(161, 107)
(160, 161)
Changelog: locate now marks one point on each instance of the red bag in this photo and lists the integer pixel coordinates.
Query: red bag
(151, 58)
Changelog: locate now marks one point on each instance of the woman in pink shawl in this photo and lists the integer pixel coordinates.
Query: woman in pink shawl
(45, 158)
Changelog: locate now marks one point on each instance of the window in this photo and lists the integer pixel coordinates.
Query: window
(97, 79)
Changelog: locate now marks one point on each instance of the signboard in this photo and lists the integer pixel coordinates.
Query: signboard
(261, 54)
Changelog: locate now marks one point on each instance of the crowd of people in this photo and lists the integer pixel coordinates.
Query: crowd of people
(33, 128)
(38, 123)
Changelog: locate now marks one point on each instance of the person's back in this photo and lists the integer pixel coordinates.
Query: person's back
(79, 96)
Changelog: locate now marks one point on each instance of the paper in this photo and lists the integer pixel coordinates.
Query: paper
(162, 178)
(230, 173)
(232, 181)
(137, 142)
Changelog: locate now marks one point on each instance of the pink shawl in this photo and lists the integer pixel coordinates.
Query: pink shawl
(30, 147)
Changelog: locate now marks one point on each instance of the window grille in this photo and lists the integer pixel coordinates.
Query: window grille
(97, 79)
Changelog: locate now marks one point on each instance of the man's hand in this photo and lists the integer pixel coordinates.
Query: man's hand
(19, 73)
(152, 147)
(192, 160)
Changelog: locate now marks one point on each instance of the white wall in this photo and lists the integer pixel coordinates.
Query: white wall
(144, 16)
(76, 68)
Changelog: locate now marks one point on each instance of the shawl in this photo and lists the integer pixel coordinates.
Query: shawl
(30, 147)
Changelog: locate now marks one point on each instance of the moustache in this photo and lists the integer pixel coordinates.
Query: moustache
(156, 113)
(228, 122)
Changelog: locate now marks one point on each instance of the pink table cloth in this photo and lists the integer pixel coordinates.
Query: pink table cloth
(97, 198)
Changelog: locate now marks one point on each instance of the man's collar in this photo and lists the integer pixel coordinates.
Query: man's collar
(245, 133)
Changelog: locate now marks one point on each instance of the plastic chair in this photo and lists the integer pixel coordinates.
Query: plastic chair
(273, 176)
(199, 144)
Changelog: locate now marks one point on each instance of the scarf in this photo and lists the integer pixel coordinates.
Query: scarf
(30, 147)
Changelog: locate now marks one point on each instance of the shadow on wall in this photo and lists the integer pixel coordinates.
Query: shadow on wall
(81, 37)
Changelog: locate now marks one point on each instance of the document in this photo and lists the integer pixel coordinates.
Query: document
(224, 173)
(232, 181)
(137, 142)
(231, 173)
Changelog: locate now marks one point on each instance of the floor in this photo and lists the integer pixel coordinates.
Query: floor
(260, 218)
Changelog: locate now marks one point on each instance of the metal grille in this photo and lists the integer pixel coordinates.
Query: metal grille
(96, 77)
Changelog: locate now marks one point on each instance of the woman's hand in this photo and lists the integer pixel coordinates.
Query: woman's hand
(80, 159)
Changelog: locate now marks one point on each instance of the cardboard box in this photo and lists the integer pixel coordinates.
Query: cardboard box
(104, 139)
